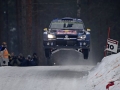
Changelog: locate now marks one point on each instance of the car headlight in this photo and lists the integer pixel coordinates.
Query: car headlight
(51, 36)
(83, 37)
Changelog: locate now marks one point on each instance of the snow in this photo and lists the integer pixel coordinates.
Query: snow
(106, 71)
(43, 77)
(79, 77)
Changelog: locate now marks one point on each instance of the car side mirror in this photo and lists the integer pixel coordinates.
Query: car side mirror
(88, 29)
(45, 29)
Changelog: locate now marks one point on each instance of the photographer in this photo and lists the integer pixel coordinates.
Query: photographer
(31, 62)
(11, 58)
(26, 61)
(21, 58)
(35, 59)
(15, 61)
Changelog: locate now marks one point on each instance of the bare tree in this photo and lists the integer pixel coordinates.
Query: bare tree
(37, 32)
(19, 26)
(29, 25)
(78, 8)
(1, 21)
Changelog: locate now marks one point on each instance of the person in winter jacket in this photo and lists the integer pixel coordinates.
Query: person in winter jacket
(35, 58)
(0, 55)
(30, 61)
(11, 58)
(4, 55)
(26, 61)
(21, 58)
(15, 61)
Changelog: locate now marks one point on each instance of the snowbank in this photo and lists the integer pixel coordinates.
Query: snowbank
(106, 71)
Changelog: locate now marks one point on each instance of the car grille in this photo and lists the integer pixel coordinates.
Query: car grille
(69, 36)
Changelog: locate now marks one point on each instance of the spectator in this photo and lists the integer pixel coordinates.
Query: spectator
(21, 58)
(35, 58)
(0, 55)
(15, 61)
(30, 61)
(4, 54)
(11, 58)
(26, 61)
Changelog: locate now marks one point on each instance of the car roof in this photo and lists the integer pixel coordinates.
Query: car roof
(67, 18)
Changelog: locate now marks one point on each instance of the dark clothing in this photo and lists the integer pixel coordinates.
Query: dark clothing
(10, 59)
(21, 59)
(2, 48)
(25, 63)
(15, 61)
(32, 63)
(35, 59)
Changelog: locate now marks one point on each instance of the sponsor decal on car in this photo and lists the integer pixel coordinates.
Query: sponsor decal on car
(66, 32)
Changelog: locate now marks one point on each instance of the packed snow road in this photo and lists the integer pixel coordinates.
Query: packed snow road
(43, 77)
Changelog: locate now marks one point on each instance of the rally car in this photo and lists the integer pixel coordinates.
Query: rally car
(66, 33)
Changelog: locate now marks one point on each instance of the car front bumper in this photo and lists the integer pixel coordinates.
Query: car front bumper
(85, 44)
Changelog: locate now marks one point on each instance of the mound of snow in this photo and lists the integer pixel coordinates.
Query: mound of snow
(106, 71)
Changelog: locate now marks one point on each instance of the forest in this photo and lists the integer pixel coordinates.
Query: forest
(22, 22)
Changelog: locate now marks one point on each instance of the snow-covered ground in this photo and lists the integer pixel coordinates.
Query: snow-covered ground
(106, 71)
(63, 77)
(43, 77)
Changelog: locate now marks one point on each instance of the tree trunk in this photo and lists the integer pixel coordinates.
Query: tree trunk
(6, 23)
(37, 31)
(78, 8)
(19, 27)
(29, 25)
(23, 28)
(1, 22)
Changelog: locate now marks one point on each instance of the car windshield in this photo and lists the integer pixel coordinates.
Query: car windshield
(66, 25)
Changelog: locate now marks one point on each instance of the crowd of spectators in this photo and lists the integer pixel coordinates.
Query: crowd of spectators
(20, 60)
(7, 59)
